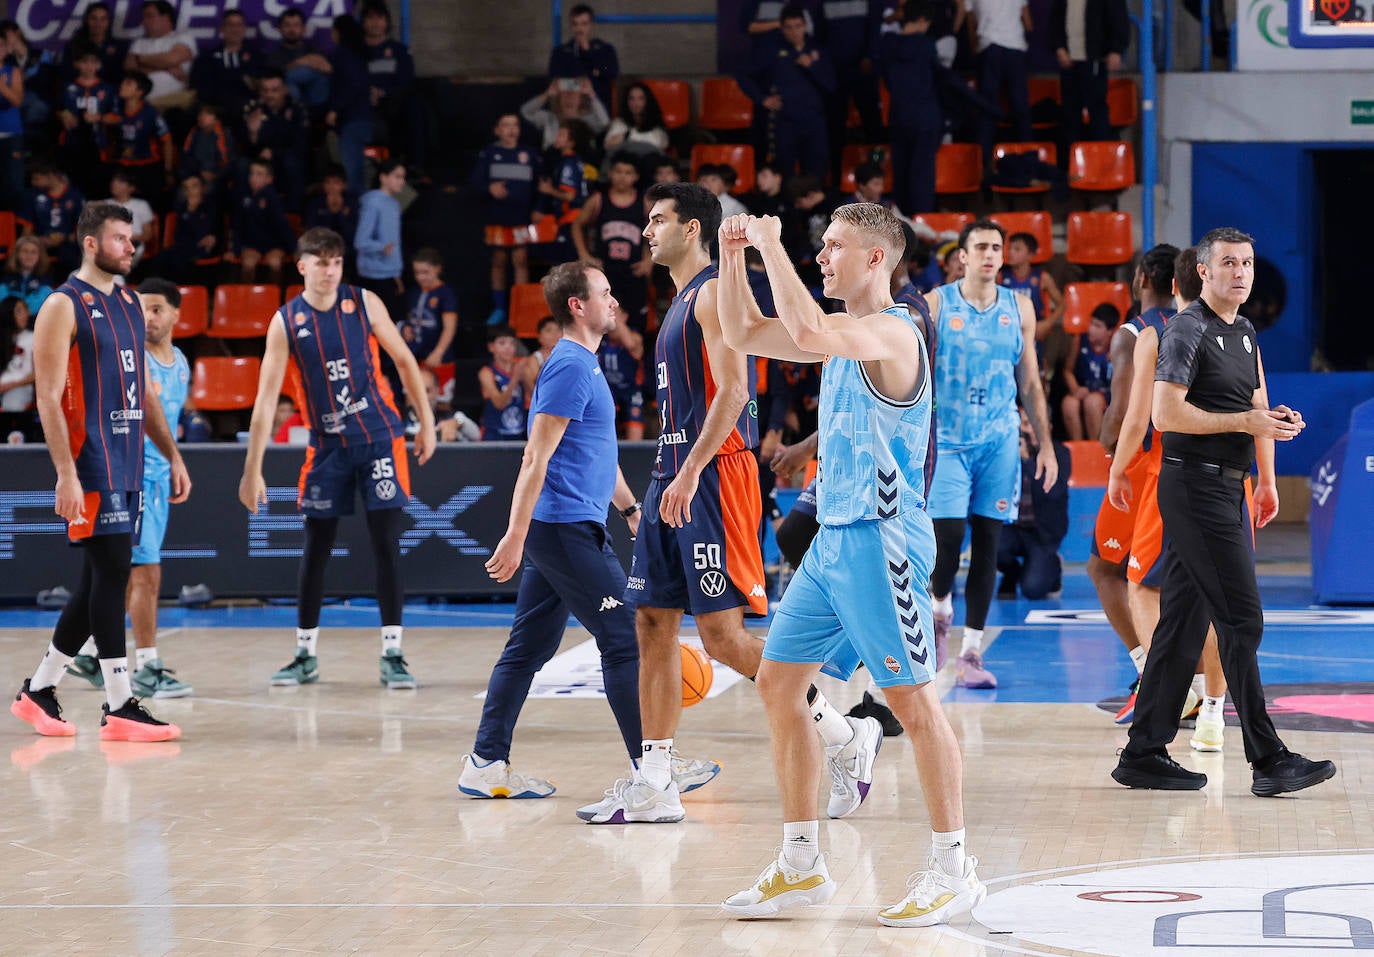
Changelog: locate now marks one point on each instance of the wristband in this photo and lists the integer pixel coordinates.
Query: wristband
(627, 512)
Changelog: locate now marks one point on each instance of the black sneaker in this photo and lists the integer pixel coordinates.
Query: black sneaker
(1156, 771)
(129, 722)
(1287, 771)
(871, 707)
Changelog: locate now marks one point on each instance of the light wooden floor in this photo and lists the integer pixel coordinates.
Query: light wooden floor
(326, 820)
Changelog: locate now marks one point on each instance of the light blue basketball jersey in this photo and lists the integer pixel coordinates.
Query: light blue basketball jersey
(872, 449)
(975, 373)
(170, 384)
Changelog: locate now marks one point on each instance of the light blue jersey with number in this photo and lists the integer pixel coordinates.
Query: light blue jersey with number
(872, 449)
(170, 383)
(975, 372)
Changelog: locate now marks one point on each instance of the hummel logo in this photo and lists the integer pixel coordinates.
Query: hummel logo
(1111, 543)
(343, 396)
(608, 603)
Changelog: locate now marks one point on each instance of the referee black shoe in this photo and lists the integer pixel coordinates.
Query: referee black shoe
(1286, 772)
(1156, 771)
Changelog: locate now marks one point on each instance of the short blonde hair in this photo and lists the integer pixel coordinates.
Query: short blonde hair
(876, 222)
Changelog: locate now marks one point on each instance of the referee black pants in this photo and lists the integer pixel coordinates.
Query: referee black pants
(1209, 575)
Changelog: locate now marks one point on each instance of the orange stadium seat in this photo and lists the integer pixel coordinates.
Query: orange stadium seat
(1100, 239)
(1081, 298)
(7, 233)
(1041, 88)
(958, 168)
(674, 99)
(225, 383)
(738, 156)
(944, 222)
(1123, 101)
(195, 312)
(1104, 166)
(856, 153)
(527, 307)
(242, 311)
(1045, 151)
(1036, 223)
(724, 105)
(1091, 464)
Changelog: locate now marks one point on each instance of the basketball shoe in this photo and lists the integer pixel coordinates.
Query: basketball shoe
(394, 674)
(1127, 713)
(631, 801)
(690, 774)
(40, 709)
(88, 667)
(934, 897)
(155, 681)
(970, 672)
(780, 886)
(129, 722)
(497, 780)
(851, 766)
(302, 671)
(1191, 706)
(1208, 735)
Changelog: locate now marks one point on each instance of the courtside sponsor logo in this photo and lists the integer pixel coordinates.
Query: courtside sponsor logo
(713, 584)
(892, 665)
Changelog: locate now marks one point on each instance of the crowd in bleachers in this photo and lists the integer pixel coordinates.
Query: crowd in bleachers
(226, 153)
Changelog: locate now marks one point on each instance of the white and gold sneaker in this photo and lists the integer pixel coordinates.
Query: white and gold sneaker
(497, 780)
(781, 886)
(1209, 735)
(934, 897)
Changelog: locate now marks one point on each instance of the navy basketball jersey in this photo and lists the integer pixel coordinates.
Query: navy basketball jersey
(1156, 319)
(620, 233)
(346, 398)
(1030, 287)
(686, 387)
(103, 401)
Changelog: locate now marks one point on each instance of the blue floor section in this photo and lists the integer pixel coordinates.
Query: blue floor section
(1069, 661)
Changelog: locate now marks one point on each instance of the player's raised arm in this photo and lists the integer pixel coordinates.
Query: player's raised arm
(745, 328)
(252, 488)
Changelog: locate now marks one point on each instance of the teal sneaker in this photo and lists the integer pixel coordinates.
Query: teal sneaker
(394, 674)
(88, 667)
(155, 681)
(302, 671)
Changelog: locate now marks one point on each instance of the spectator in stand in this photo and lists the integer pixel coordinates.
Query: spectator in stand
(142, 144)
(195, 239)
(714, 177)
(910, 65)
(585, 55)
(851, 36)
(1087, 375)
(563, 188)
(26, 273)
(16, 374)
(449, 425)
(261, 234)
(1001, 27)
(277, 128)
(665, 170)
(145, 220)
(11, 130)
(567, 99)
(869, 183)
(350, 99)
(1028, 549)
(638, 130)
(621, 357)
(392, 73)
(792, 84)
(88, 105)
(378, 238)
(165, 55)
(94, 33)
(505, 175)
(549, 332)
(1088, 46)
(432, 319)
(609, 234)
(760, 21)
(209, 148)
(40, 70)
(333, 207)
(951, 262)
(287, 417)
(503, 411)
(56, 208)
(224, 76)
(766, 198)
(1034, 283)
(306, 69)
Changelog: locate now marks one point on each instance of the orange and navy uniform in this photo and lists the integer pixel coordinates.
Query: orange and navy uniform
(357, 435)
(714, 562)
(103, 406)
(142, 138)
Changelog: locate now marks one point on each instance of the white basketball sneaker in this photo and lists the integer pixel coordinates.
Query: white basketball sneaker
(851, 766)
(780, 886)
(632, 801)
(690, 773)
(934, 897)
(497, 780)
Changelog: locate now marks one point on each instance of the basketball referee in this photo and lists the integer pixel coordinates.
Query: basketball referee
(1211, 404)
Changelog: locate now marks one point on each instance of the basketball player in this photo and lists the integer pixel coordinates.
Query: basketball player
(859, 595)
(357, 439)
(698, 546)
(987, 366)
(89, 368)
(171, 375)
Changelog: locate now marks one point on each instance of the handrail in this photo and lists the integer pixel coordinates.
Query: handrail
(557, 12)
(1149, 134)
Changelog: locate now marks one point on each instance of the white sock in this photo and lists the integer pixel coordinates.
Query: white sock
(1200, 686)
(1138, 659)
(832, 726)
(973, 640)
(1212, 707)
(391, 638)
(801, 844)
(88, 649)
(944, 607)
(306, 639)
(117, 690)
(50, 670)
(655, 768)
(948, 850)
(144, 655)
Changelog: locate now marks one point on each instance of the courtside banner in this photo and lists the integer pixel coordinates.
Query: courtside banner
(459, 505)
(49, 24)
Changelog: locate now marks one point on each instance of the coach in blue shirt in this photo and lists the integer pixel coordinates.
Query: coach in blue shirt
(568, 479)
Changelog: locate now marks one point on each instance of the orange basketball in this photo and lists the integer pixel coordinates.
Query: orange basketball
(696, 675)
